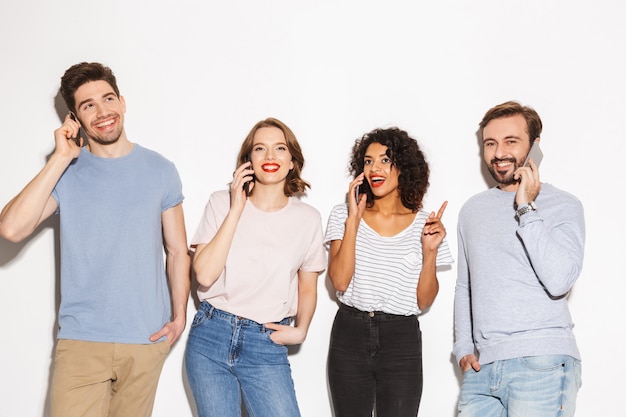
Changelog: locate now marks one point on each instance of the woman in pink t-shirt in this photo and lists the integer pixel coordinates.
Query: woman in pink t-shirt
(258, 254)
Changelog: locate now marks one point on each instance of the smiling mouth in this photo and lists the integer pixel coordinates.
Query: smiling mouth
(377, 181)
(270, 167)
(105, 124)
(502, 164)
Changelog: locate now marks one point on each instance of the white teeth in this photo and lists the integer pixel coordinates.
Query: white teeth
(105, 123)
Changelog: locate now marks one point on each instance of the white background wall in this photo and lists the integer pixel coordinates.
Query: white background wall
(197, 75)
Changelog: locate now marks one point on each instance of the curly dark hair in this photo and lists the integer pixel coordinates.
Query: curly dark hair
(406, 156)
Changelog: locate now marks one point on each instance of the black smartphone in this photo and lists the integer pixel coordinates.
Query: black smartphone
(80, 130)
(246, 185)
(535, 154)
(360, 189)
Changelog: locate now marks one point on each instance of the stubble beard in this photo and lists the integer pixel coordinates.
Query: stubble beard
(108, 139)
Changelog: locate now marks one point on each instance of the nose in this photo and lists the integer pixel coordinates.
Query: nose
(499, 151)
(99, 110)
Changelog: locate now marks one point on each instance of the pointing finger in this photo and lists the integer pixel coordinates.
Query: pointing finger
(442, 209)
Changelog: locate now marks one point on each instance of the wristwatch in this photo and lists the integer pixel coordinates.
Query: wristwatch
(526, 208)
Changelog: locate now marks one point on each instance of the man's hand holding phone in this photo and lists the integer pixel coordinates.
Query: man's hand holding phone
(528, 176)
(534, 155)
(64, 137)
(78, 137)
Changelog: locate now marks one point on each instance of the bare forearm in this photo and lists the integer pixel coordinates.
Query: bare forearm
(33, 204)
(178, 272)
(177, 260)
(210, 259)
(307, 301)
(428, 284)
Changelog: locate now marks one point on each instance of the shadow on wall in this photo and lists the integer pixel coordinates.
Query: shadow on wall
(484, 171)
(9, 251)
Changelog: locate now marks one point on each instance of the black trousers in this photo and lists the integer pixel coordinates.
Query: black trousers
(375, 359)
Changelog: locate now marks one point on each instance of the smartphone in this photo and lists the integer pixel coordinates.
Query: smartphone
(246, 185)
(80, 131)
(360, 189)
(535, 154)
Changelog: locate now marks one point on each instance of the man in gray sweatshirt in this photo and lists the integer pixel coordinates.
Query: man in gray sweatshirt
(521, 248)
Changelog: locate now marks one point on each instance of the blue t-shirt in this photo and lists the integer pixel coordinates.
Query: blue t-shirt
(113, 281)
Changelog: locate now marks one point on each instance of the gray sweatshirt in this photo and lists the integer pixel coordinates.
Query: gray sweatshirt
(514, 275)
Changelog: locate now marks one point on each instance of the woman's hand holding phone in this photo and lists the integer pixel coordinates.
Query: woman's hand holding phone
(249, 184)
(356, 200)
(238, 193)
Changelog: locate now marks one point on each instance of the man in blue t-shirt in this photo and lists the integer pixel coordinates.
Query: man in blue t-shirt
(120, 205)
(521, 250)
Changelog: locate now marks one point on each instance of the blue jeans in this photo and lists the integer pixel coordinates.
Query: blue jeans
(230, 359)
(375, 358)
(533, 386)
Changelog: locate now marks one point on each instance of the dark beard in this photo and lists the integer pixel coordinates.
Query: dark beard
(508, 180)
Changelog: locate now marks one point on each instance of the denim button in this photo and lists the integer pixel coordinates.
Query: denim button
(371, 314)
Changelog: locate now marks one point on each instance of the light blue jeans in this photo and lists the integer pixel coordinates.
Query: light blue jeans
(534, 386)
(229, 359)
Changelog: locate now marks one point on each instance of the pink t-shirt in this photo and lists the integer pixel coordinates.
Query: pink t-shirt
(260, 278)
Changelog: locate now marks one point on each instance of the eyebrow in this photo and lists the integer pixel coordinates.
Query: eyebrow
(384, 154)
(266, 144)
(504, 138)
(91, 99)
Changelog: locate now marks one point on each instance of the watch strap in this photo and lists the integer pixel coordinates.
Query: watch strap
(526, 208)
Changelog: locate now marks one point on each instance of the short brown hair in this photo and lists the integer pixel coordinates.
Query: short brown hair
(513, 108)
(80, 74)
(294, 183)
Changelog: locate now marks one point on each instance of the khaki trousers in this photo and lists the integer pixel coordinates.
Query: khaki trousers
(93, 379)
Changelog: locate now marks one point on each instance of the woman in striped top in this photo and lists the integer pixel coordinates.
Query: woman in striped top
(384, 253)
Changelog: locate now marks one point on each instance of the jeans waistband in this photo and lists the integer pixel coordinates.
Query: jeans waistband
(380, 315)
(211, 311)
